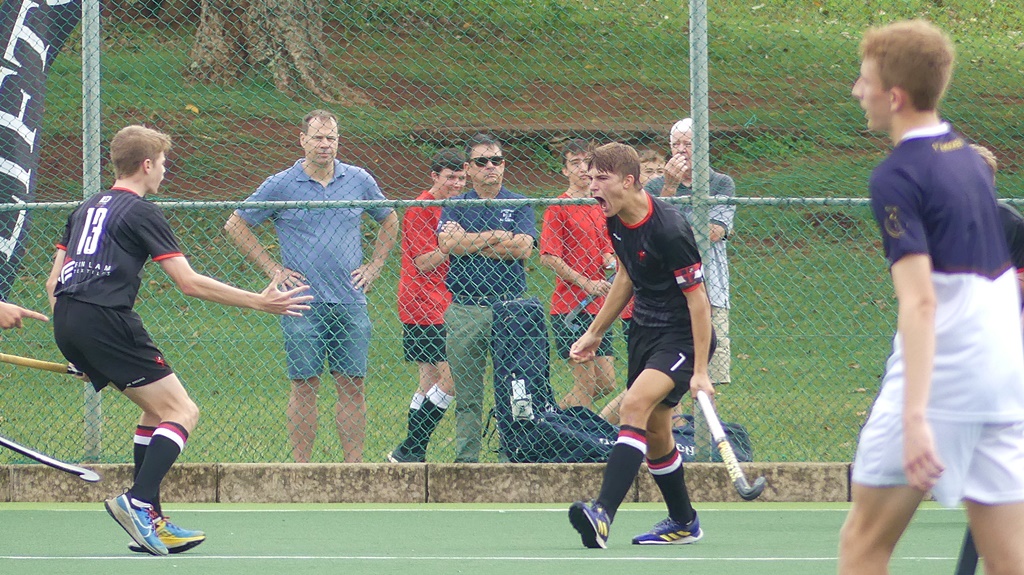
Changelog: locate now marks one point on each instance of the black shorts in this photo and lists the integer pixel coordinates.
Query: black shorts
(424, 343)
(566, 335)
(666, 350)
(111, 346)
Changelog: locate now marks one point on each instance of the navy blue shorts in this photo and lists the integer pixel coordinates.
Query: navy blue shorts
(110, 345)
(663, 349)
(424, 343)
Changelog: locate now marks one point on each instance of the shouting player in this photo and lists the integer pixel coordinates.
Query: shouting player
(669, 345)
(949, 417)
(92, 287)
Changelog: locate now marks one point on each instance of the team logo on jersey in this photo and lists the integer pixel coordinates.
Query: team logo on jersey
(104, 200)
(893, 226)
(67, 270)
(642, 256)
(160, 361)
(507, 215)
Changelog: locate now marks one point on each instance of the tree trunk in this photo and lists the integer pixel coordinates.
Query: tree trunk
(235, 36)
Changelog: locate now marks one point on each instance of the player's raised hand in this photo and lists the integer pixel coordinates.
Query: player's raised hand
(12, 315)
(284, 302)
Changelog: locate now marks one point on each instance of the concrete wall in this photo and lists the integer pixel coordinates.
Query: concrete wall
(416, 483)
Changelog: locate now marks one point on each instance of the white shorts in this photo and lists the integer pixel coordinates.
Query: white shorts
(984, 462)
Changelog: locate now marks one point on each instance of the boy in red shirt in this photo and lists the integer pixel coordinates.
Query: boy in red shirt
(422, 301)
(575, 245)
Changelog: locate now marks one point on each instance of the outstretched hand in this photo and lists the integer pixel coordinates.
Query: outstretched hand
(11, 315)
(284, 302)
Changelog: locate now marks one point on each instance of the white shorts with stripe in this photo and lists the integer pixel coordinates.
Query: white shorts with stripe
(984, 462)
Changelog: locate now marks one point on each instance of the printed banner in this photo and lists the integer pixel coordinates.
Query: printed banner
(31, 35)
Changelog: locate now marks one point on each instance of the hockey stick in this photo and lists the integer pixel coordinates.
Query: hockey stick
(570, 317)
(82, 473)
(967, 564)
(746, 490)
(39, 364)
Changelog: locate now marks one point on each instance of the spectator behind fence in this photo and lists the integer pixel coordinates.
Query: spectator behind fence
(488, 247)
(652, 165)
(1012, 221)
(422, 302)
(574, 243)
(93, 286)
(949, 418)
(322, 248)
(678, 181)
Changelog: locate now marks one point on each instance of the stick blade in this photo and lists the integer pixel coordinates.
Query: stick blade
(752, 492)
(89, 475)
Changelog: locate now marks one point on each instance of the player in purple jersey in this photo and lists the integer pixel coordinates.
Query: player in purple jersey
(949, 418)
(92, 286)
(670, 342)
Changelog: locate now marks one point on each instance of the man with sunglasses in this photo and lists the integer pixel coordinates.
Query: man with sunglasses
(487, 246)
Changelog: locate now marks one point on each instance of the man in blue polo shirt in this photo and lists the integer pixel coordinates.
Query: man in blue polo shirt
(322, 248)
(487, 247)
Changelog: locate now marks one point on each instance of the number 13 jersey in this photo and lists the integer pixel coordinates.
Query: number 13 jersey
(107, 241)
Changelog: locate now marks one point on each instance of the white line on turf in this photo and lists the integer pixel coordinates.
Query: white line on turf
(426, 508)
(459, 558)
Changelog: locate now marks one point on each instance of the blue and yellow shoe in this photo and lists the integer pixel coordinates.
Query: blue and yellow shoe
(592, 522)
(176, 539)
(140, 524)
(671, 532)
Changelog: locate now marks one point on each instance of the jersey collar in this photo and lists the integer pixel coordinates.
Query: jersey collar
(927, 132)
(650, 212)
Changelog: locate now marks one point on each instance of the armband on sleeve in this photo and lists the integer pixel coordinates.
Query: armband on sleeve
(690, 277)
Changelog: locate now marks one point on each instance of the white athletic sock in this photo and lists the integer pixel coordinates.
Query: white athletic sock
(440, 398)
(417, 401)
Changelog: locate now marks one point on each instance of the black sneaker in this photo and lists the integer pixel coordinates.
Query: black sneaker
(400, 456)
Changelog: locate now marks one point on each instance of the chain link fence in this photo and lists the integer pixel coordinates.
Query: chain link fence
(812, 310)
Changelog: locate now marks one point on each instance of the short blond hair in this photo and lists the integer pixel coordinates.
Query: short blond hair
(987, 155)
(913, 55)
(133, 145)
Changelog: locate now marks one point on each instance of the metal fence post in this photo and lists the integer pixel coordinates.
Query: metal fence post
(701, 174)
(91, 181)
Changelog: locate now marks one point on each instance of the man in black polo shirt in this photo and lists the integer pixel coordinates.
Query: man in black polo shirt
(93, 285)
(670, 343)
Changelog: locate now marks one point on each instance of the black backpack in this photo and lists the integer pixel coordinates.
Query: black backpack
(531, 426)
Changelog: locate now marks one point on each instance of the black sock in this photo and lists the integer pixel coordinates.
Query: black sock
(623, 463)
(143, 436)
(167, 442)
(668, 474)
(422, 423)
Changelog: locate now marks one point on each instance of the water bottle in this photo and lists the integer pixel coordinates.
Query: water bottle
(521, 402)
